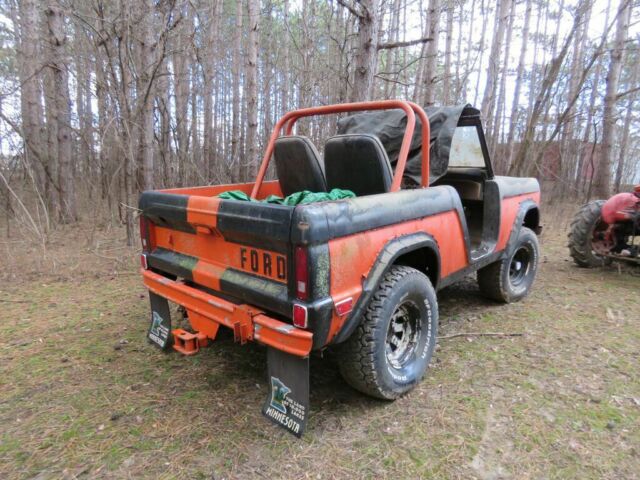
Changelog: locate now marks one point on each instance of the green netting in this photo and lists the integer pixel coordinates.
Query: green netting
(298, 198)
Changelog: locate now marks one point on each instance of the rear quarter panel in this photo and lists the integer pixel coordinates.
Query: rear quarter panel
(353, 257)
(357, 230)
(513, 193)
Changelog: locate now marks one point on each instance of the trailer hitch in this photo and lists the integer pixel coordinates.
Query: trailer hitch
(188, 343)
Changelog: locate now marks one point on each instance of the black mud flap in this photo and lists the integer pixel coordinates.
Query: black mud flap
(160, 329)
(287, 402)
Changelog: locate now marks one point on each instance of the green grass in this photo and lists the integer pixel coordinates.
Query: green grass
(558, 402)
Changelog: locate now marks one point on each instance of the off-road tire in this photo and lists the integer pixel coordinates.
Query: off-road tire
(581, 235)
(498, 281)
(364, 358)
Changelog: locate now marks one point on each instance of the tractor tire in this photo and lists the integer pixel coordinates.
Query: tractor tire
(510, 279)
(583, 225)
(388, 353)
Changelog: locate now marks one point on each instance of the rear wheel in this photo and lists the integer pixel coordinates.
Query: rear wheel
(587, 240)
(511, 278)
(390, 350)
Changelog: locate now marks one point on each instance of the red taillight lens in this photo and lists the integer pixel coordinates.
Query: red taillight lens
(302, 274)
(299, 316)
(144, 234)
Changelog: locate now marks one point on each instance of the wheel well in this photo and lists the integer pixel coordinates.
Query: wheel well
(532, 219)
(423, 259)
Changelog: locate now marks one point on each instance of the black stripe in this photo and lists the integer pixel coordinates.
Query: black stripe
(320, 222)
(254, 290)
(167, 210)
(260, 225)
(175, 263)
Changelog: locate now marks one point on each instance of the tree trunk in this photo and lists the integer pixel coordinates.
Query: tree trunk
(431, 64)
(483, 33)
(501, 100)
(145, 98)
(51, 155)
(251, 161)
(27, 33)
(513, 118)
(235, 74)
(602, 184)
(446, 81)
(493, 70)
(522, 164)
(366, 56)
(285, 87)
(209, 151)
(626, 129)
(569, 147)
(181, 90)
(58, 65)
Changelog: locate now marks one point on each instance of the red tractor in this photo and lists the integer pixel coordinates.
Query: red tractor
(603, 231)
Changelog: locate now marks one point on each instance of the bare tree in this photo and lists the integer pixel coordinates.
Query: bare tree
(27, 34)
(235, 74)
(446, 80)
(366, 56)
(145, 96)
(515, 105)
(493, 69)
(58, 66)
(430, 74)
(252, 88)
(602, 183)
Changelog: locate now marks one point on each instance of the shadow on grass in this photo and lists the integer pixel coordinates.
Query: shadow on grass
(330, 395)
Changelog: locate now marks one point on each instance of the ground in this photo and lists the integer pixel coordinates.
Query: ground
(83, 395)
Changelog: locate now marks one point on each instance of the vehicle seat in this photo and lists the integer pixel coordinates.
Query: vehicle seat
(357, 162)
(298, 165)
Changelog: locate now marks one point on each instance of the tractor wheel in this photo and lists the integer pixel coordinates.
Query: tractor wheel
(585, 225)
(510, 279)
(390, 350)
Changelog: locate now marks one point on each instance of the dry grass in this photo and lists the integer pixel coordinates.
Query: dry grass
(83, 395)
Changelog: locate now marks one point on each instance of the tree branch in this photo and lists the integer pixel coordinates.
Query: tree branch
(481, 334)
(628, 92)
(408, 43)
(351, 8)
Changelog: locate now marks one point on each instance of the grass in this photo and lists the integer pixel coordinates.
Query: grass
(83, 395)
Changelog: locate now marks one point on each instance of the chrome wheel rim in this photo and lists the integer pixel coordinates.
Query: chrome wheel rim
(403, 334)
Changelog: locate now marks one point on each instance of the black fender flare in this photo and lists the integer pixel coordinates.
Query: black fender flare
(388, 255)
(525, 207)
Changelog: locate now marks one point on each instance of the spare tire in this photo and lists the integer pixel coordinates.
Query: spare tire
(585, 225)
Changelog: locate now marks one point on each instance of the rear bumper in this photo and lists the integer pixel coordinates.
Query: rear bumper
(207, 312)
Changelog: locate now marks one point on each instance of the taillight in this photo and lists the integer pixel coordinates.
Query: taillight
(299, 316)
(143, 261)
(144, 234)
(302, 274)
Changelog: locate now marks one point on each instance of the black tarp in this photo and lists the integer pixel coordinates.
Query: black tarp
(389, 126)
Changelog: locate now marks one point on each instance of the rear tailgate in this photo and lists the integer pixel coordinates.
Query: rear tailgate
(237, 249)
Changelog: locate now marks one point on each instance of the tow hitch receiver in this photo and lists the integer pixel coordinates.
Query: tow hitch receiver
(287, 402)
(188, 343)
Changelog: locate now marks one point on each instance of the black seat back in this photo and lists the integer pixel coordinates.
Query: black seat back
(357, 162)
(298, 165)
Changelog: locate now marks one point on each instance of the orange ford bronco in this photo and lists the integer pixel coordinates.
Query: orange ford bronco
(359, 273)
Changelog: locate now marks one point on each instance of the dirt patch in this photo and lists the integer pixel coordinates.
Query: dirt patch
(82, 395)
(495, 447)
